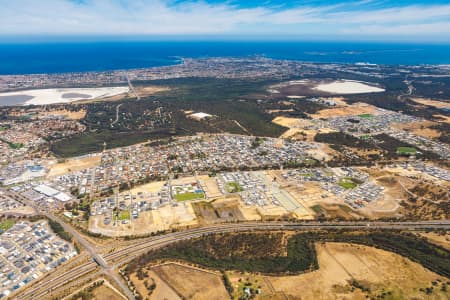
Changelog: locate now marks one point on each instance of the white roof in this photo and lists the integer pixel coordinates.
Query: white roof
(46, 190)
(200, 115)
(63, 197)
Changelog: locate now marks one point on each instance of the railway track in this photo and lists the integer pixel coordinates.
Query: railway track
(136, 248)
(43, 288)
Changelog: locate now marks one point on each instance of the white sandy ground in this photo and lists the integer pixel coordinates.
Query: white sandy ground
(50, 96)
(348, 87)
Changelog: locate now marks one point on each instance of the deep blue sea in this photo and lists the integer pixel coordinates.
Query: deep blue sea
(27, 58)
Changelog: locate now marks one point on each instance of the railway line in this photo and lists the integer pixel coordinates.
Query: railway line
(44, 287)
(116, 258)
(142, 246)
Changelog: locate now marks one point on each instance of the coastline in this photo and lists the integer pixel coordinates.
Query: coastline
(57, 58)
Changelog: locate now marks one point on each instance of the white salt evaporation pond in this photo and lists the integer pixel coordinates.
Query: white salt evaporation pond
(63, 95)
(343, 87)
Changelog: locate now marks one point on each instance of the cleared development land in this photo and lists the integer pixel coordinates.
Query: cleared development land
(73, 165)
(351, 110)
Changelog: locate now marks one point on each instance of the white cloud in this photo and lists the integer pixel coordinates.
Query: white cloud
(394, 30)
(408, 14)
(140, 17)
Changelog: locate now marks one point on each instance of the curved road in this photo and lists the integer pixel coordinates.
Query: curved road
(117, 114)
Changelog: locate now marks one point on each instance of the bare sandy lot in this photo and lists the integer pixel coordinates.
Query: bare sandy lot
(73, 115)
(150, 90)
(152, 187)
(351, 110)
(219, 210)
(419, 128)
(434, 103)
(251, 213)
(23, 210)
(297, 129)
(210, 187)
(163, 218)
(304, 134)
(292, 122)
(308, 135)
(73, 165)
(442, 118)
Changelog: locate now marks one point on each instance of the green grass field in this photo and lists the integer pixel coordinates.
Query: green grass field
(306, 175)
(124, 215)
(15, 145)
(310, 162)
(366, 116)
(234, 187)
(317, 209)
(5, 225)
(189, 196)
(347, 183)
(406, 151)
(345, 208)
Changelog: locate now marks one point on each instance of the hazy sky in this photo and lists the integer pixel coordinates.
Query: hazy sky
(414, 20)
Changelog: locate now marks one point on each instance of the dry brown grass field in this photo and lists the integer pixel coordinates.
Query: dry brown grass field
(421, 128)
(73, 165)
(177, 281)
(352, 110)
(340, 263)
(430, 102)
(441, 238)
(346, 271)
(105, 293)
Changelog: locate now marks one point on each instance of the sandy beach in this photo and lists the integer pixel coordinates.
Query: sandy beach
(64, 95)
(347, 87)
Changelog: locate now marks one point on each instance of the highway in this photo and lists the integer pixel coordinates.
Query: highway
(115, 258)
(132, 88)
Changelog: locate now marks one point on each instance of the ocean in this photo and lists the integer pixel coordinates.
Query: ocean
(31, 58)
